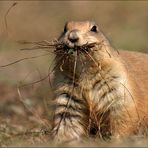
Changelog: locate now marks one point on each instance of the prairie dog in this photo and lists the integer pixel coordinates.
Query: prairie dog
(95, 91)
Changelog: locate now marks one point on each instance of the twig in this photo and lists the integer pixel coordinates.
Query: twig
(29, 109)
(17, 61)
(5, 17)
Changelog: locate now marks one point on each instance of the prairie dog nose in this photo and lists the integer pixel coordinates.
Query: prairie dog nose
(73, 36)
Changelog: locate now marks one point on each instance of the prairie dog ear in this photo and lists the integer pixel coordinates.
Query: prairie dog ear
(92, 23)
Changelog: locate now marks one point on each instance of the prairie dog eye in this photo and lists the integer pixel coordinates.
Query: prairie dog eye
(94, 29)
(65, 29)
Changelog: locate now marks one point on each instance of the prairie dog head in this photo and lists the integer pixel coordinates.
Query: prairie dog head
(78, 34)
(82, 43)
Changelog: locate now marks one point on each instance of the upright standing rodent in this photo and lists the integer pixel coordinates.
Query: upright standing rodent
(95, 91)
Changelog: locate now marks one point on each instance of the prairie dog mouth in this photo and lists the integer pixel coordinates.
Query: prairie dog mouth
(71, 49)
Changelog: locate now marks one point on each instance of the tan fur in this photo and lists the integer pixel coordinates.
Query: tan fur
(98, 93)
(137, 65)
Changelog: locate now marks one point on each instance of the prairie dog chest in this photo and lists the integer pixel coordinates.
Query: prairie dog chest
(106, 87)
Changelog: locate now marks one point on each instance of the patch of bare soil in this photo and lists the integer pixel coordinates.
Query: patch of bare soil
(23, 120)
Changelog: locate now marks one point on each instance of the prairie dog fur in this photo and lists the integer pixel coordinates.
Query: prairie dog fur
(95, 90)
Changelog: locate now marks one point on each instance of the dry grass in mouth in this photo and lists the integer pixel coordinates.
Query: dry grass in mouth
(58, 46)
